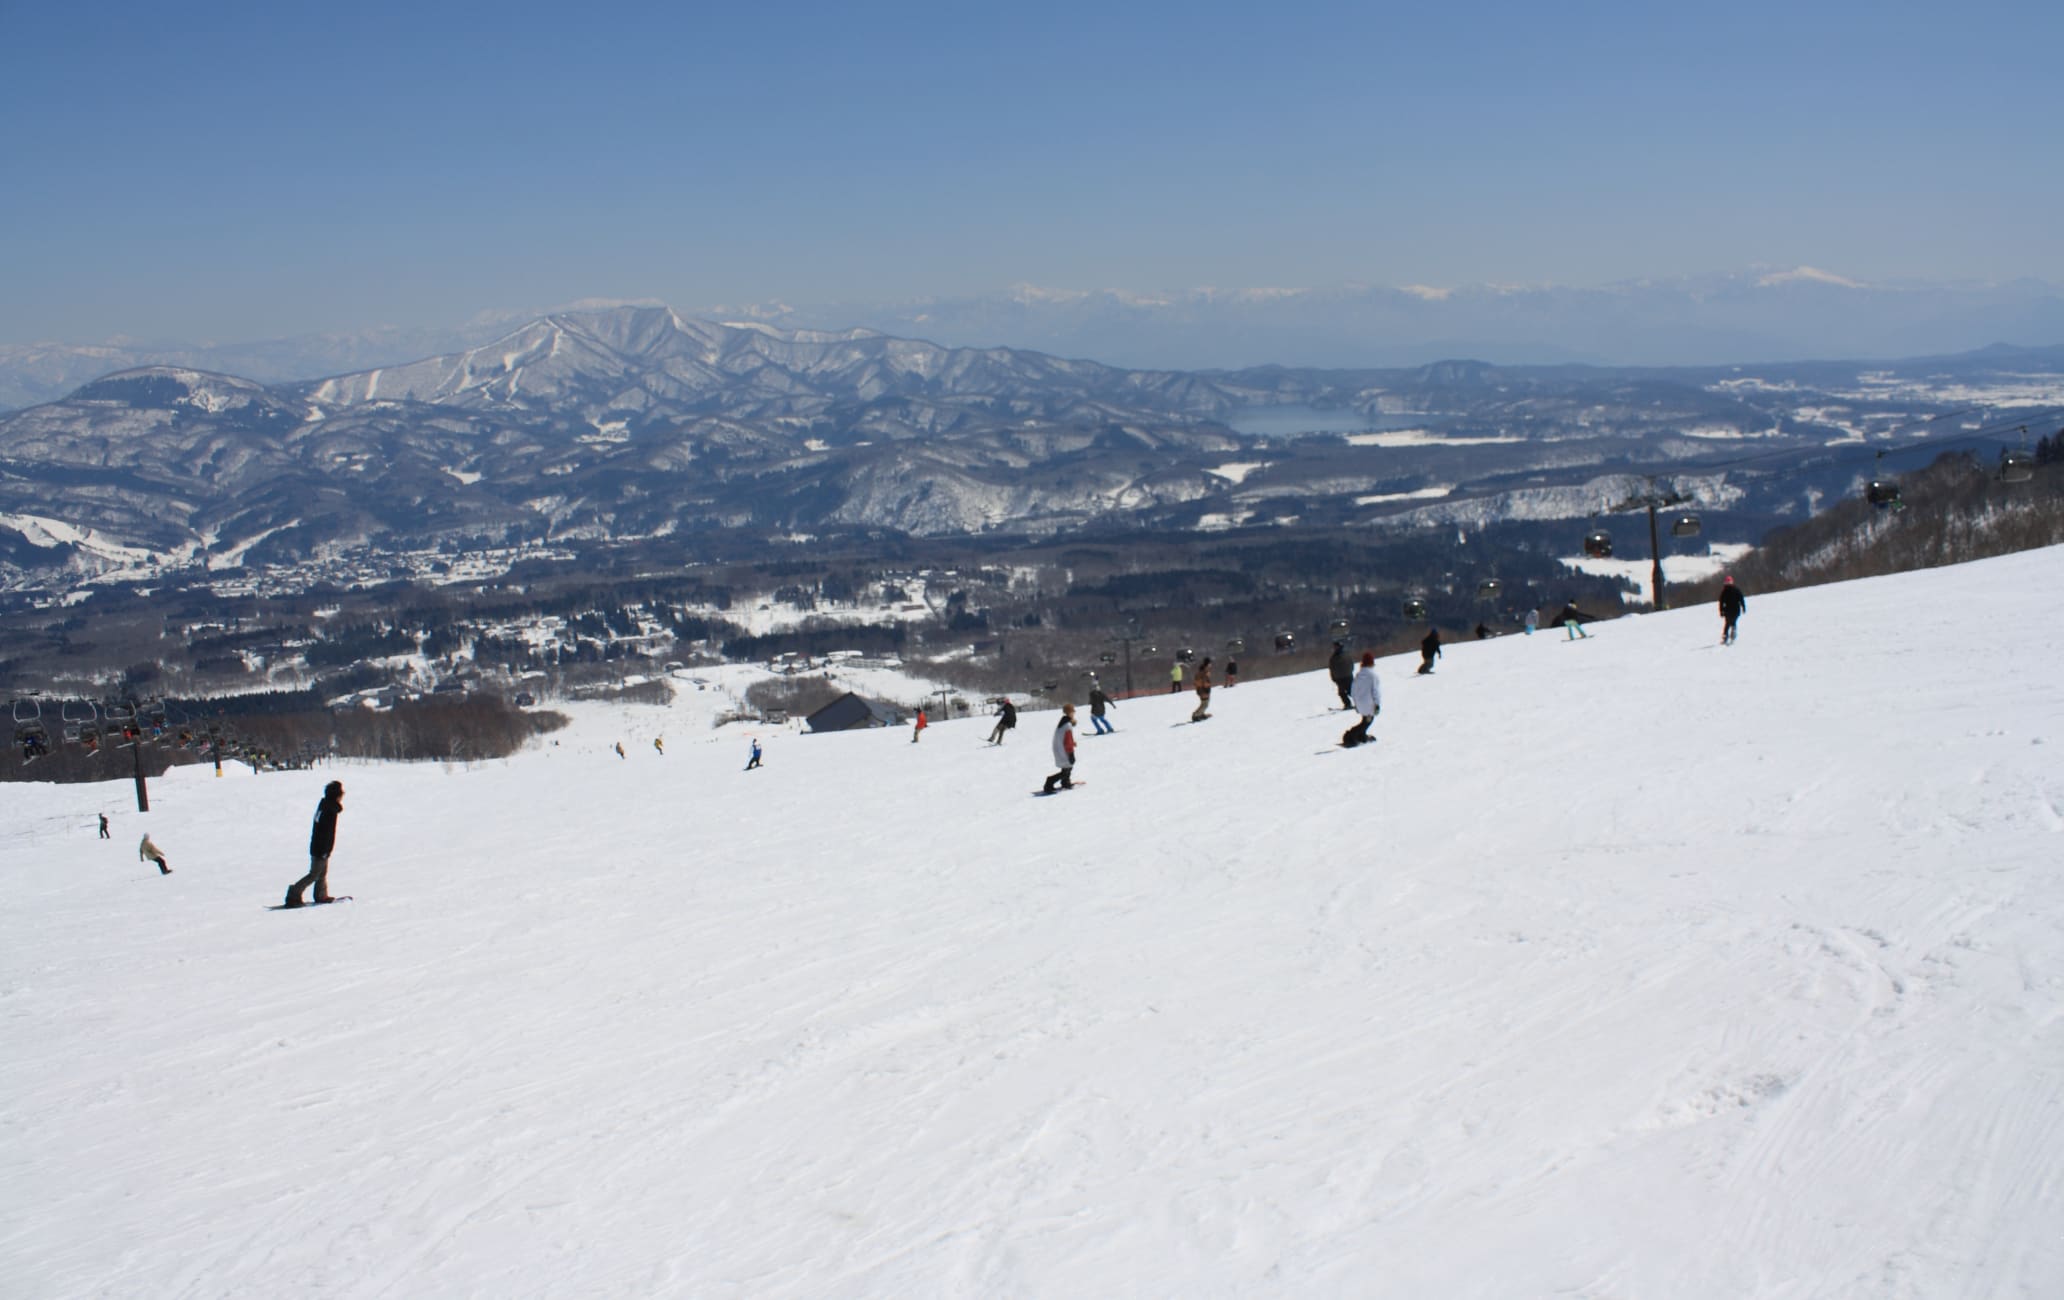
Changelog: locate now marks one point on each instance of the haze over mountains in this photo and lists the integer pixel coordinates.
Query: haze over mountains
(1750, 317)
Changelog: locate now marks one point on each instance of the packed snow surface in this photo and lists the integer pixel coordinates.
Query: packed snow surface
(1629, 967)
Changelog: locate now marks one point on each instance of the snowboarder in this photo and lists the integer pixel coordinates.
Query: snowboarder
(1063, 751)
(104, 828)
(1203, 709)
(659, 743)
(1732, 603)
(1572, 620)
(1006, 721)
(1367, 695)
(1483, 631)
(1232, 672)
(1429, 650)
(918, 730)
(1098, 702)
(619, 749)
(149, 852)
(1175, 678)
(322, 838)
(1341, 669)
(1533, 620)
(755, 760)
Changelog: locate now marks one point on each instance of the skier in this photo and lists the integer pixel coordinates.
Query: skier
(1367, 695)
(1429, 650)
(1232, 672)
(149, 852)
(1175, 678)
(322, 838)
(104, 828)
(1203, 709)
(1063, 751)
(1533, 620)
(918, 730)
(1006, 720)
(1572, 621)
(755, 754)
(1098, 702)
(1732, 603)
(659, 743)
(1341, 669)
(619, 749)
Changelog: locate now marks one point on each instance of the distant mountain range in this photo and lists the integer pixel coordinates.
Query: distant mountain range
(1751, 317)
(638, 422)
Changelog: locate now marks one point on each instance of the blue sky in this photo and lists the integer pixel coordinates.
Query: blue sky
(238, 171)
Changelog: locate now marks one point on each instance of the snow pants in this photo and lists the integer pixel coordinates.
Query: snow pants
(318, 875)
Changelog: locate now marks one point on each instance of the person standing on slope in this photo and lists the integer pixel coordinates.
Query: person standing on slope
(1429, 650)
(1533, 620)
(149, 852)
(1203, 709)
(1732, 603)
(1098, 702)
(322, 838)
(918, 730)
(1006, 721)
(1063, 751)
(1232, 673)
(104, 828)
(1572, 620)
(1175, 678)
(755, 760)
(1341, 669)
(1366, 695)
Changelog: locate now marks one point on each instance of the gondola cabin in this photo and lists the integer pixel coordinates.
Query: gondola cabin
(1598, 544)
(2016, 467)
(1489, 589)
(1285, 642)
(1882, 493)
(1338, 629)
(1684, 526)
(1236, 647)
(1415, 609)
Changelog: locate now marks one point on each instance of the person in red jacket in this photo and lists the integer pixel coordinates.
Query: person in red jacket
(918, 730)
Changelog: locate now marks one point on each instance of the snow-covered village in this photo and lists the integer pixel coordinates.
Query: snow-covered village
(1623, 963)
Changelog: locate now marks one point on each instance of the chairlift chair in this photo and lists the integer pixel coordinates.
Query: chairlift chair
(1489, 589)
(1598, 544)
(1882, 493)
(1684, 526)
(1339, 629)
(1285, 642)
(27, 710)
(1415, 609)
(1236, 646)
(2016, 467)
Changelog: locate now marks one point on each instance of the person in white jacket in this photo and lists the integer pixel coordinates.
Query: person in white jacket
(149, 852)
(1367, 696)
(1063, 751)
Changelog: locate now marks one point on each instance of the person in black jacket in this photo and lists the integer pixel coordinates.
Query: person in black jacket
(1429, 650)
(1732, 603)
(322, 838)
(1099, 704)
(1006, 721)
(1342, 671)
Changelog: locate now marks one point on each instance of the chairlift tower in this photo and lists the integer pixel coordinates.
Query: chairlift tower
(1652, 501)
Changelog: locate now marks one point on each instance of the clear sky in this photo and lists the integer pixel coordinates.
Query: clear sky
(212, 171)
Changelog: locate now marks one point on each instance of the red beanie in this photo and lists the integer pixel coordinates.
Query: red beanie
(1368, 658)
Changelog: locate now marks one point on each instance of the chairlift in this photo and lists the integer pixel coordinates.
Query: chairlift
(1489, 589)
(77, 713)
(1285, 642)
(1882, 493)
(1107, 657)
(1415, 608)
(27, 710)
(1598, 544)
(1338, 628)
(2016, 466)
(1183, 655)
(1684, 526)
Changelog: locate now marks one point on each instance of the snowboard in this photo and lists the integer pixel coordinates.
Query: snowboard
(1059, 789)
(313, 902)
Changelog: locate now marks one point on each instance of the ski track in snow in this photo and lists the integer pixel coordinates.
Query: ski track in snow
(1653, 969)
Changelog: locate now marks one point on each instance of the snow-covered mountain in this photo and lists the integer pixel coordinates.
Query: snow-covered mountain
(1627, 966)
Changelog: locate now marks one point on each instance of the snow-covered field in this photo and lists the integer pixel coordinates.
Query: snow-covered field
(1628, 967)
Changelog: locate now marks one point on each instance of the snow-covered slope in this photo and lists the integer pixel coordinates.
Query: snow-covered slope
(1628, 967)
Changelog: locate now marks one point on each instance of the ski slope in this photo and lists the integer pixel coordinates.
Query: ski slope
(1628, 967)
